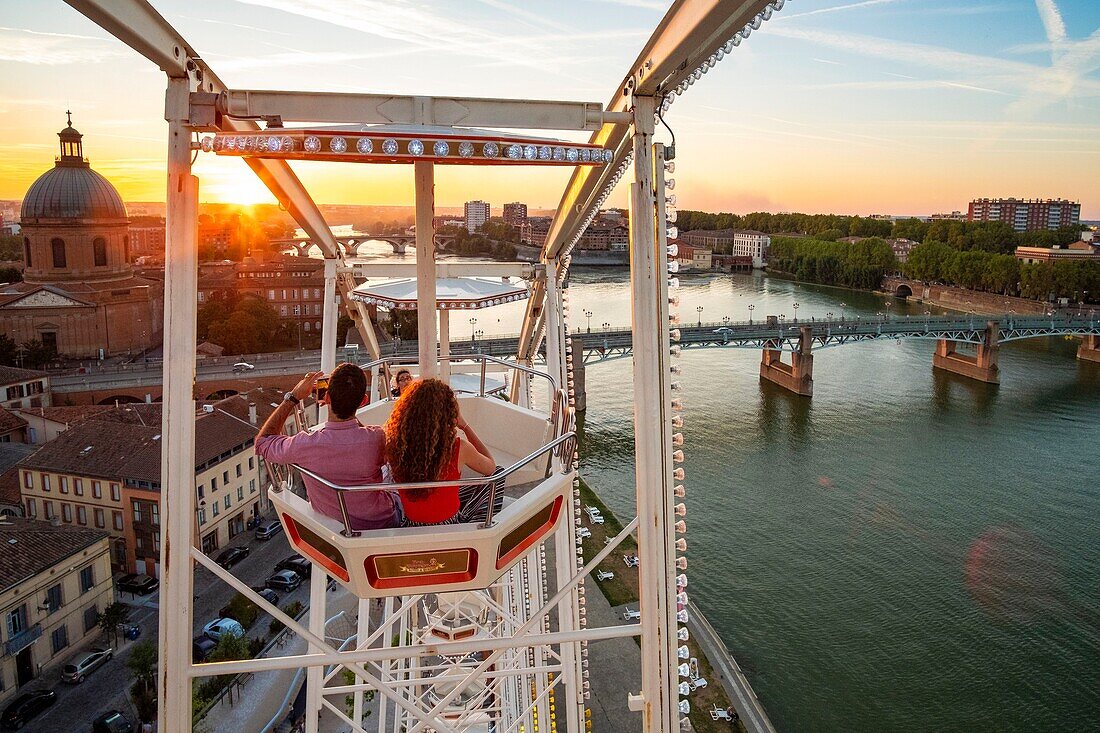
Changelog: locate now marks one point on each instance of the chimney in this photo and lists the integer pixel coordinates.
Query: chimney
(252, 418)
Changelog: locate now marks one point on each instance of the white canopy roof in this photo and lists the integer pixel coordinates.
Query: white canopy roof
(451, 293)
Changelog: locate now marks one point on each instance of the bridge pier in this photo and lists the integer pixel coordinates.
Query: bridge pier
(576, 355)
(798, 376)
(982, 366)
(399, 247)
(1089, 350)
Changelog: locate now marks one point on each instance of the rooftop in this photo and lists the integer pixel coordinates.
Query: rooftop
(12, 375)
(29, 547)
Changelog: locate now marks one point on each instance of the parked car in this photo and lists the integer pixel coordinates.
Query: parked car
(201, 647)
(112, 722)
(243, 366)
(230, 556)
(269, 595)
(138, 584)
(284, 580)
(26, 706)
(267, 530)
(219, 626)
(82, 666)
(297, 563)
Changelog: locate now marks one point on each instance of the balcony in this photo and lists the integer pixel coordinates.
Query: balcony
(22, 640)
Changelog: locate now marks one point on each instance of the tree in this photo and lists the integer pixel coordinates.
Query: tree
(9, 351)
(111, 617)
(11, 248)
(143, 663)
(36, 354)
(145, 702)
(11, 275)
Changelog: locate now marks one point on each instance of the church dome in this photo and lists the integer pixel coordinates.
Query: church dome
(71, 189)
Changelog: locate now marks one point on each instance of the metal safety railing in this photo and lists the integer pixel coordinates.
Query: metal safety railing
(386, 362)
(562, 445)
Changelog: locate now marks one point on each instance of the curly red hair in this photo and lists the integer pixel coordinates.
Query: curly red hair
(420, 433)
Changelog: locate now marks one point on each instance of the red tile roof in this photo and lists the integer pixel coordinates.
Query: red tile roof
(29, 547)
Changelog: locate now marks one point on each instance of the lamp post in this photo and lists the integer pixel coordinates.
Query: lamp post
(751, 308)
(588, 315)
(699, 310)
(796, 312)
(888, 304)
(473, 322)
(725, 320)
(606, 326)
(842, 307)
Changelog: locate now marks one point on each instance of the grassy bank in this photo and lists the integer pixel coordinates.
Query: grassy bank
(623, 589)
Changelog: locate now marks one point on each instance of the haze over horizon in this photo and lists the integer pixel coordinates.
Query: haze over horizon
(833, 106)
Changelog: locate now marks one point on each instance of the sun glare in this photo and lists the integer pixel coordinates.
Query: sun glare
(230, 184)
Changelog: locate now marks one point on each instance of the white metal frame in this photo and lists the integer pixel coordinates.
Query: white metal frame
(689, 32)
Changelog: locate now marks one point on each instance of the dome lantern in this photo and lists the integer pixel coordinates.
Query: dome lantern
(72, 149)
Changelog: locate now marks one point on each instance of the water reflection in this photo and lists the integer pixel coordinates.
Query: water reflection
(952, 392)
(783, 415)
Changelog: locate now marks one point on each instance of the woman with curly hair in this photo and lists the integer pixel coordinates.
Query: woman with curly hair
(427, 440)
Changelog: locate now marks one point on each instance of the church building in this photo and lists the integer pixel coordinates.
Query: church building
(79, 293)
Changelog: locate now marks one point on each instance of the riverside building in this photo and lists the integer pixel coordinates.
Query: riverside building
(1027, 215)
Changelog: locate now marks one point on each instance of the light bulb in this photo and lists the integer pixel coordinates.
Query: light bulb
(673, 283)
(682, 634)
(674, 319)
(682, 581)
(677, 439)
(672, 250)
(681, 563)
(674, 334)
(670, 166)
(678, 456)
(682, 616)
(679, 492)
(673, 266)
(676, 386)
(681, 527)
(684, 687)
(674, 350)
(684, 707)
(677, 404)
(677, 421)
(674, 301)
(672, 232)
(684, 670)
(766, 13)
(670, 199)
(681, 510)
(683, 652)
(676, 369)
(670, 183)
(682, 598)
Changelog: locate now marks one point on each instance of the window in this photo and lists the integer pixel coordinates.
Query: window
(115, 493)
(202, 490)
(282, 311)
(78, 486)
(271, 295)
(53, 598)
(213, 483)
(28, 480)
(317, 292)
(99, 250)
(118, 520)
(214, 509)
(202, 297)
(27, 251)
(252, 486)
(97, 490)
(284, 294)
(316, 309)
(17, 620)
(202, 517)
(225, 477)
(91, 618)
(137, 511)
(47, 509)
(307, 325)
(240, 493)
(156, 541)
(67, 513)
(81, 515)
(45, 482)
(58, 248)
(156, 513)
(239, 471)
(251, 462)
(317, 324)
(63, 484)
(32, 509)
(297, 310)
(226, 501)
(59, 639)
(87, 578)
(98, 514)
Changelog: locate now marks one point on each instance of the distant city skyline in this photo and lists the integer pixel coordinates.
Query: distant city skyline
(857, 107)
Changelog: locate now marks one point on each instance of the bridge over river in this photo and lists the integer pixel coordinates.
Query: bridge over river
(978, 337)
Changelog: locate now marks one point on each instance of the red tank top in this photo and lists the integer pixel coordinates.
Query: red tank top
(440, 504)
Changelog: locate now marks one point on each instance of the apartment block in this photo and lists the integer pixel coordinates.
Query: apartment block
(1027, 215)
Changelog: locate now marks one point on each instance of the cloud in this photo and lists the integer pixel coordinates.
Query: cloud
(1053, 24)
(838, 8)
(647, 4)
(24, 46)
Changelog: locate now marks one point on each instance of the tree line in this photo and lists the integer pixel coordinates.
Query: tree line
(847, 264)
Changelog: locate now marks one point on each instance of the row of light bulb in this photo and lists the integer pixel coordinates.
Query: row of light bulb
(582, 612)
(612, 182)
(726, 49)
(679, 510)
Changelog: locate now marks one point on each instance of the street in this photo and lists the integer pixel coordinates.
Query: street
(108, 688)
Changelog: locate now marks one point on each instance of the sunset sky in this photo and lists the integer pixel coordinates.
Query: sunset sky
(865, 106)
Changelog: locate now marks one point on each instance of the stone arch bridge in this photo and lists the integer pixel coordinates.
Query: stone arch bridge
(351, 243)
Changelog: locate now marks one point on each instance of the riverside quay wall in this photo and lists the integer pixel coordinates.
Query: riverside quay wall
(961, 299)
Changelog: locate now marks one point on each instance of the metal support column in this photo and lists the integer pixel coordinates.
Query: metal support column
(362, 631)
(177, 505)
(649, 292)
(555, 326)
(424, 173)
(315, 676)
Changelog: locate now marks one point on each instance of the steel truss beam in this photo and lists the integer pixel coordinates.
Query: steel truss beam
(374, 109)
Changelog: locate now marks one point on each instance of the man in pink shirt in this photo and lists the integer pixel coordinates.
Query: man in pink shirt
(343, 450)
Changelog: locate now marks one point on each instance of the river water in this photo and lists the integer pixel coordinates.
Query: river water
(905, 551)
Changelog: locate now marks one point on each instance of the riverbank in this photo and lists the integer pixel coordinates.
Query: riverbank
(961, 299)
(716, 664)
